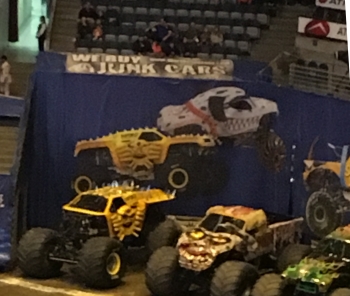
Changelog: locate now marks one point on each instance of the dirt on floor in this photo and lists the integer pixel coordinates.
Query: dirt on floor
(13, 284)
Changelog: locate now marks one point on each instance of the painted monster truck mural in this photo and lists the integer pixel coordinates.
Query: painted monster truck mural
(143, 155)
(328, 185)
(228, 112)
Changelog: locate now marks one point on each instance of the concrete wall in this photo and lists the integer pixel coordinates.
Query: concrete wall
(24, 12)
(4, 9)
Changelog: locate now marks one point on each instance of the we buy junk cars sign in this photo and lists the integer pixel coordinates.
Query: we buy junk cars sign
(333, 4)
(322, 29)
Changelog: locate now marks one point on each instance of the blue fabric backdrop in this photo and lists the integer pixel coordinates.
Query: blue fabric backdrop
(70, 107)
(9, 107)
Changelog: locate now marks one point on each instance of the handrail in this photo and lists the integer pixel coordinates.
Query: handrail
(53, 4)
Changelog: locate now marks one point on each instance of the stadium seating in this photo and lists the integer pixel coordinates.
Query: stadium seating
(241, 24)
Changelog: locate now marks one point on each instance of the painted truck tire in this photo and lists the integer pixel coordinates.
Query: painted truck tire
(271, 151)
(233, 278)
(33, 253)
(101, 263)
(163, 273)
(322, 214)
(272, 284)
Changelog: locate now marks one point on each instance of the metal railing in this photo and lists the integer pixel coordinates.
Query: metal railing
(51, 10)
(316, 80)
(328, 79)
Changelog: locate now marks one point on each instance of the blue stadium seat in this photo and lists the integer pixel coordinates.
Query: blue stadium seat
(231, 57)
(217, 56)
(230, 44)
(195, 13)
(244, 46)
(127, 52)
(113, 51)
(183, 27)
(225, 29)
(235, 15)
(101, 8)
(96, 50)
(203, 55)
(183, 16)
(155, 12)
(253, 32)
(263, 19)
(168, 12)
(82, 49)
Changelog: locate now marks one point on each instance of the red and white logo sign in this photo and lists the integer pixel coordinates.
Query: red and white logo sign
(333, 4)
(322, 29)
(317, 28)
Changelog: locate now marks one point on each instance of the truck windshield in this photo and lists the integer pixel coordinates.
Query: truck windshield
(214, 222)
(96, 203)
(329, 247)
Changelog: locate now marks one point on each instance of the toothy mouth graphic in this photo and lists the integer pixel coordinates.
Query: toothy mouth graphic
(244, 123)
(195, 257)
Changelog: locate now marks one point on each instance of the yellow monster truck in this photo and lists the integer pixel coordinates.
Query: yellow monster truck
(328, 184)
(141, 155)
(97, 228)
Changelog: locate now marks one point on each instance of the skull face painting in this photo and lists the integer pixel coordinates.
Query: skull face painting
(222, 112)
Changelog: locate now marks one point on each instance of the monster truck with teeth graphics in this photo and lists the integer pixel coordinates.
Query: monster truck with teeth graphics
(97, 228)
(323, 271)
(221, 251)
(144, 155)
(228, 112)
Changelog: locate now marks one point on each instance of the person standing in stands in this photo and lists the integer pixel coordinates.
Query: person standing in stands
(5, 76)
(161, 32)
(41, 33)
(88, 14)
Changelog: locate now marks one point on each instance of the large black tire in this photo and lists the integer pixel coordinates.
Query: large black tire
(322, 179)
(322, 214)
(101, 263)
(340, 292)
(179, 172)
(233, 278)
(292, 254)
(272, 284)
(271, 151)
(166, 234)
(33, 253)
(164, 276)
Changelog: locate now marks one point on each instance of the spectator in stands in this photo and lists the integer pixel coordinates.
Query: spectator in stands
(98, 31)
(205, 36)
(161, 32)
(157, 50)
(84, 30)
(191, 40)
(171, 49)
(5, 76)
(41, 33)
(88, 15)
(216, 36)
(142, 46)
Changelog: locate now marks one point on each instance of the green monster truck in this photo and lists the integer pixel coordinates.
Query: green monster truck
(323, 272)
(222, 252)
